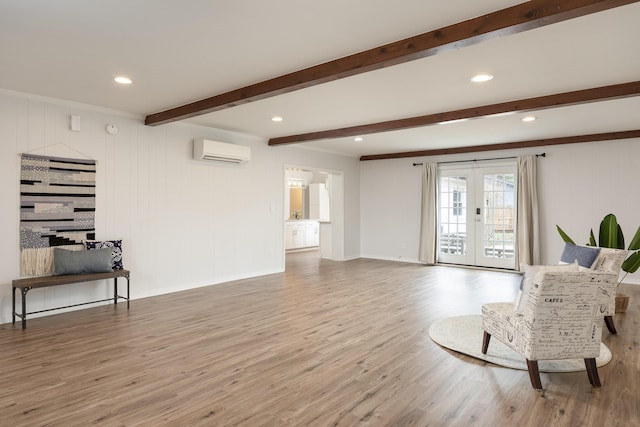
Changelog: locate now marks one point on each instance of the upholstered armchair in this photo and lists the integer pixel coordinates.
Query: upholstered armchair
(562, 319)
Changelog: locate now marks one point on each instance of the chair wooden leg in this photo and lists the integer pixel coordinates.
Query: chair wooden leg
(534, 374)
(592, 371)
(485, 342)
(608, 320)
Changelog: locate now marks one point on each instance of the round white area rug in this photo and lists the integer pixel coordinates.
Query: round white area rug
(463, 334)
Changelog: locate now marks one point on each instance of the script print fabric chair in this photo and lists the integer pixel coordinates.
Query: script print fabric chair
(562, 319)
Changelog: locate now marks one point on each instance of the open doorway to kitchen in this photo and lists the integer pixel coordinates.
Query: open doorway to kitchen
(314, 211)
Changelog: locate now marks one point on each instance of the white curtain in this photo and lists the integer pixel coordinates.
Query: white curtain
(428, 226)
(528, 234)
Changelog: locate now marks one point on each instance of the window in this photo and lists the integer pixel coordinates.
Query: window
(457, 203)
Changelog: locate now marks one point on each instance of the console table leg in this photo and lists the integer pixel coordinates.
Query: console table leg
(24, 308)
(128, 296)
(115, 291)
(13, 312)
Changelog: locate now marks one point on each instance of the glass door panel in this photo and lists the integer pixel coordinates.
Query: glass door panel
(496, 231)
(476, 217)
(454, 244)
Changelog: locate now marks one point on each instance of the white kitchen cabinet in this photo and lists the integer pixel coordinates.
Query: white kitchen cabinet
(312, 233)
(288, 236)
(301, 234)
(294, 234)
(319, 205)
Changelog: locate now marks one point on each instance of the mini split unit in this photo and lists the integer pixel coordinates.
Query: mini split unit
(205, 149)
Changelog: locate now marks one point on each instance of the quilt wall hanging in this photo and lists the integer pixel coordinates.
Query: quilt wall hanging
(57, 208)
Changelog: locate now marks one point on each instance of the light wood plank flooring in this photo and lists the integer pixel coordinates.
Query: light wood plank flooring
(323, 344)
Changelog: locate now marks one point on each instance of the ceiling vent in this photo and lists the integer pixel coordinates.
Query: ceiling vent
(206, 149)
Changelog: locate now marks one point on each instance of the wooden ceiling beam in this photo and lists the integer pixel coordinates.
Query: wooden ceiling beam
(609, 136)
(622, 90)
(512, 20)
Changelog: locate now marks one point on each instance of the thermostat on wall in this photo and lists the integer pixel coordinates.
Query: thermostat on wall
(111, 129)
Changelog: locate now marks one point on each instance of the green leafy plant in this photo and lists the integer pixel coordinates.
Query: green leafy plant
(610, 236)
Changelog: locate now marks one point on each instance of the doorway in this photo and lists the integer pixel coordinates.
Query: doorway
(477, 215)
(321, 205)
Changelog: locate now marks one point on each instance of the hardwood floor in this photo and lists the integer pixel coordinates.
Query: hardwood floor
(323, 344)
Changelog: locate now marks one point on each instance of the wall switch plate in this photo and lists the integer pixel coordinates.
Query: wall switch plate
(75, 123)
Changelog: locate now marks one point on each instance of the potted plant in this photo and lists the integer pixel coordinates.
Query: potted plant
(611, 236)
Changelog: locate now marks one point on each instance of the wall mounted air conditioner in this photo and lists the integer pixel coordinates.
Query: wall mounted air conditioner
(205, 149)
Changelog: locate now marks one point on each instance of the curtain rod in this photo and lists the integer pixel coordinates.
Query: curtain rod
(481, 160)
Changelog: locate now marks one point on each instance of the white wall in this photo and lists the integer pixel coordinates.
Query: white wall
(183, 223)
(390, 206)
(578, 184)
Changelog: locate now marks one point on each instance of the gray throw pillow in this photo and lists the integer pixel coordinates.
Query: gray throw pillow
(81, 262)
(585, 255)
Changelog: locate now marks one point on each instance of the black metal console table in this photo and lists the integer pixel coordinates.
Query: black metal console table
(25, 285)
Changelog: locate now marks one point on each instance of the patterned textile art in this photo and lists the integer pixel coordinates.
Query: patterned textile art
(57, 208)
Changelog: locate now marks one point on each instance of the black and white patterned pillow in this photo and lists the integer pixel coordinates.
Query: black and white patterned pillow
(116, 254)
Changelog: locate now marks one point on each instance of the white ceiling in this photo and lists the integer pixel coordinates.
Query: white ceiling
(178, 52)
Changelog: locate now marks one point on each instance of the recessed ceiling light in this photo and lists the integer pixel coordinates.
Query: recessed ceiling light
(358, 139)
(481, 78)
(123, 80)
(529, 118)
(276, 119)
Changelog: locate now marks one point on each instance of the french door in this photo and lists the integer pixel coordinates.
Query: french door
(477, 215)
